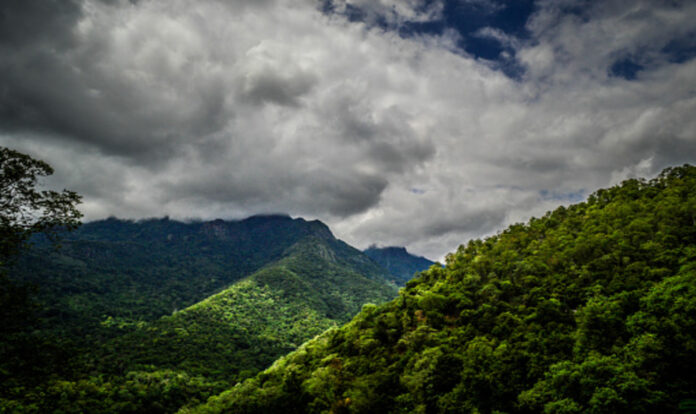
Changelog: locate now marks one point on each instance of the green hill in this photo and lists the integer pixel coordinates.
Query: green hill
(112, 295)
(399, 262)
(591, 308)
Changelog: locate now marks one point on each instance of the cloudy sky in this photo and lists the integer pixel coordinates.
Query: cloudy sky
(396, 122)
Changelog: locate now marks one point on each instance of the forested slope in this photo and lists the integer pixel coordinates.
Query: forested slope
(591, 308)
(320, 282)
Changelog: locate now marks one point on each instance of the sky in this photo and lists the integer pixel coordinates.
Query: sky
(397, 122)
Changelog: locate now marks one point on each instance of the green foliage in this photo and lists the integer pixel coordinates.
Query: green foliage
(589, 309)
(136, 392)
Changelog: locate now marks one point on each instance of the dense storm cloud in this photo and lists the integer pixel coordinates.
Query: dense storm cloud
(395, 121)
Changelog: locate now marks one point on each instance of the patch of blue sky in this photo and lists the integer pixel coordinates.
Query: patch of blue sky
(682, 49)
(469, 18)
(677, 51)
(625, 68)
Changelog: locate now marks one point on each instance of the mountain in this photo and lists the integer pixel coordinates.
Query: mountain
(117, 273)
(400, 263)
(591, 308)
(157, 313)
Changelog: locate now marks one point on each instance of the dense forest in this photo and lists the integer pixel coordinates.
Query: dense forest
(151, 315)
(588, 309)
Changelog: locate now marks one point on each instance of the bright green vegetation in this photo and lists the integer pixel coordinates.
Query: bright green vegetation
(244, 328)
(591, 308)
(399, 262)
(128, 323)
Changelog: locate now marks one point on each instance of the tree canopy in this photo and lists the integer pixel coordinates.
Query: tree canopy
(25, 209)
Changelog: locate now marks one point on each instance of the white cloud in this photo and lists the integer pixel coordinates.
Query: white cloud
(393, 12)
(496, 34)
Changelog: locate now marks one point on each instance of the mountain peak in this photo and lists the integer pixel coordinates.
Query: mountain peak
(400, 263)
(320, 229)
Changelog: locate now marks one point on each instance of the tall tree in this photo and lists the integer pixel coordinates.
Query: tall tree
(24, 209)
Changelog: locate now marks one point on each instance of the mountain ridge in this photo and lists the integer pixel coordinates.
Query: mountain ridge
(211, 254)
(400, 263)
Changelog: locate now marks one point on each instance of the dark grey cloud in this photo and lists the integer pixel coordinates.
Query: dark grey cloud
(46, 23)
(475, 221)
(33, 34)
(318, 192)
(62, 76)
(345, 195)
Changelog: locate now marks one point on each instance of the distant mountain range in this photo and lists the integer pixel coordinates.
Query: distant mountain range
(400, 263)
